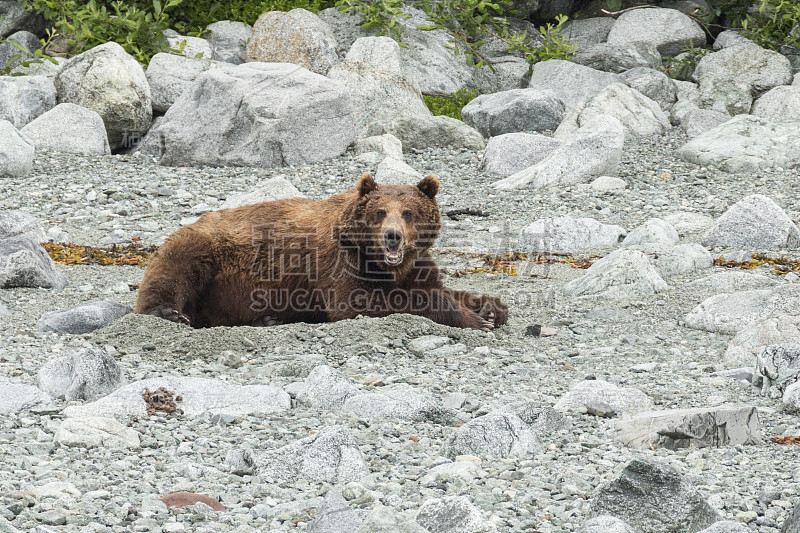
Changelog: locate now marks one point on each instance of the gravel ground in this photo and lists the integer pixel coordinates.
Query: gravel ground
(100, 200)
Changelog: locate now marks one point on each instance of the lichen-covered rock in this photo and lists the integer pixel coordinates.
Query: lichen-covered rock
(755, 222)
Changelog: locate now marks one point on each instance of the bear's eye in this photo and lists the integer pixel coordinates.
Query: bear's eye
(407, 215)
(380, 214)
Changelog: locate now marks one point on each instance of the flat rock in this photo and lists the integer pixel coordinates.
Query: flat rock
(95, 432)
(422, 132)
(514, 152)
(608, 184)
(690, 428)
(593, 150)
(23, 98)
(745, 145)
(567, 234)
(256, 114)
(86, 374)
(18, 223)
(69, 128)
(621, 399)
(755, 222)
(619, 57)
(24, 263)
(82, 319)
(329, 456)
(733, 281)
(570, 82)
(402, 403)
(605, 524)
(199, 396)
(16, 151)
(269, 190)
(452, 514)
(671, 261)
(394, 171)
(655, 498)
(668, 29)
(21, 397)
(731, 312)
(517, 110)
(622, 274)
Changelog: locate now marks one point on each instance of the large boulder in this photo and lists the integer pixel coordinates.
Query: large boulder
(228, 40)
(69, 128)
(685, 428)
(777, 368)
(654, 231)
(87, 374)
(379, 88)
(587, 32)
(298, 37)
(496, 435)
(639, 115)
(744, 348)
(82, 319)
(403, 403)
(256, 114)
(569, 81)
(668, 29)
(420, 132)
(14, 16)
(623, 400)
(23, 98)
(654, 497)
(96, 432)
(510, 153)
(781, 104)
(745, 145)
(24, 263)
(170, 75)
(622, 274)
(652, 83)
(594, 150)
(452, 514)
(755, 222)
(729, 313)
(16, 151)
(567, 234)
(19, 223)
(619, 57)
(21, 397)
(107, 80)
(514, 111)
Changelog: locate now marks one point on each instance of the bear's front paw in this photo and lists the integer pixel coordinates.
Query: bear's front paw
(475, 321)
(168, 313)
(494, 311)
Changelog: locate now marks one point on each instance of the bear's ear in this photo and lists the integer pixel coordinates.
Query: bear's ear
(429, 186)
(366, 185)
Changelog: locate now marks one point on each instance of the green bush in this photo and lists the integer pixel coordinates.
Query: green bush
(450, 105)
(770, 26)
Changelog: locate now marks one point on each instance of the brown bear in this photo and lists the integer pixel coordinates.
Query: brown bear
(364, 251)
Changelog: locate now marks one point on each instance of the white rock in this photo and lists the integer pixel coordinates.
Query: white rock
(605, 524)
(781, 104)
(396, 172)
(513, 111)
(17, 398)
(169, 75)
(401, 402)
(24, 263)
(755, 222)
(731, 312)
(567, 234)
(19, 223)
(23, 98)
(654, 231)
(193, 47)
(748, 342)
(622, 399)
(608, 184)
(374, 149)
(671, 261)
(733, 280)
(16, 151)
(325, 387)
(95, 432)
(276, 188)
(86, 374)
(729, 38)
(622, 274)
(670, 30)
(687, 223)
(513, 152)
(571, 82)
(69, 128)
(653, 84)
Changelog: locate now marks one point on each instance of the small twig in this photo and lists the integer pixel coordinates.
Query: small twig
(615, 14)
(456, 213)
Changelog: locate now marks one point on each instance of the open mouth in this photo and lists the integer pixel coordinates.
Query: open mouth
(394, 257)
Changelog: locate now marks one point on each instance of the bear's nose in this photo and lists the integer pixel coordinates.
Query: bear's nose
(393, 238)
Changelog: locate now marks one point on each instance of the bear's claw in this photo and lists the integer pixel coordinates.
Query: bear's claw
(168, 313)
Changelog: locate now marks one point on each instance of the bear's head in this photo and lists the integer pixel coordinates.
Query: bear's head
(391, 225)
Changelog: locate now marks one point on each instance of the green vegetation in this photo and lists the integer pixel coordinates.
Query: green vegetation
(682, 66)
(770, 26)
(452, 104)
(24, 58)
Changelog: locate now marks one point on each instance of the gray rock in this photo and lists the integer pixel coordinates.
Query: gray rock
(670, 30)
(170, 75)
(509, 73)
(276, 188)
(329, 456)
(690, 428)
(594, 150)
(654, 231)
(199, 396)
(745, 145)
(514, 152)
(498, 434)
(452, 514)
(777, 367)
(457, 470)
(730, 38)
(567, 234)
(325, 387)
(335, 516)
(730, 96)
(494, 48)
(730, 312)
(86, 374)
(82, 319)
(605, 524)
(15, 17)
(95, 432)
(385, 519)
(46, 67)
(402, 403)
(431, 132)
(396, 172)
(608, 314)
(24, 263)
(18, 223)
(698, 121)
(755, 222)
(107, 80)
(11, 56)
(732, 280)
(374, 149)
(619, 57)
(571, 82)
(241, 117)
(228, 40)
(20, 397)
(639, 115)
(726, 526)
(16, 151)
(652, 83)
(69, 128)
(654, 497)
(745, 346)
(687, 223)
(514, 111)
(622, 399)
(586, 32)
(608, 184)
(298, 37)
(791, 396)
(622, 274)
(23, 98)
(380, 91)
(688, 91)
(193, 47)
(792, 523)
(671, 261)
(427, 343)
(781, 104)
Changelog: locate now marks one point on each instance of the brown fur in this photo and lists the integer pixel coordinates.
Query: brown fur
(239, 266)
